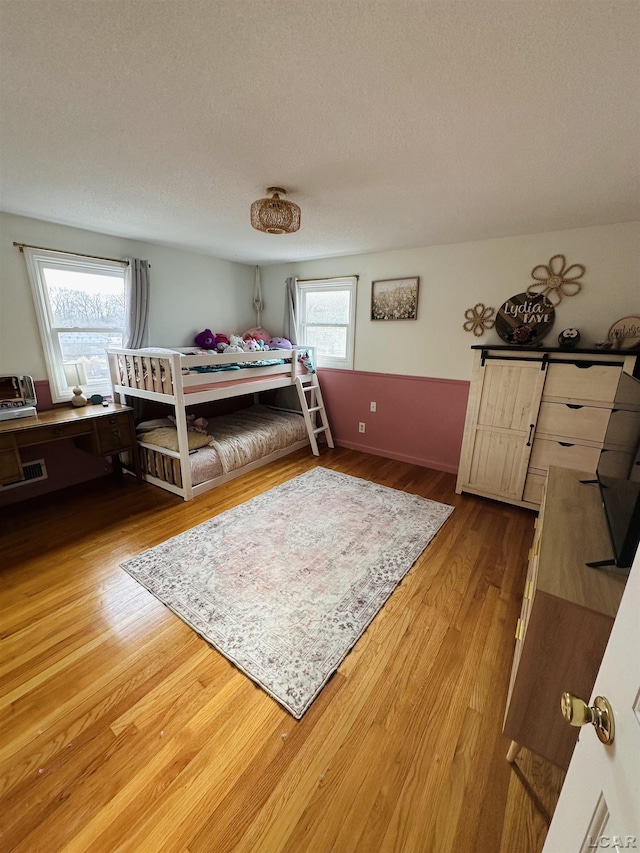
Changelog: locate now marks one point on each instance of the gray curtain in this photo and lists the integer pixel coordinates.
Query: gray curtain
(290, 325)
(136, 290)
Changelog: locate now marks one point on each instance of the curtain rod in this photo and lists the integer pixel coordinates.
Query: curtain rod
(332, 278)
(23, 246)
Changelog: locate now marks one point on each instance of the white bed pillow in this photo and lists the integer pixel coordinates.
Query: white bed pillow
(145, 426)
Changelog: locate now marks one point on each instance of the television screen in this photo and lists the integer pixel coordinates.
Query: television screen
(618, 471)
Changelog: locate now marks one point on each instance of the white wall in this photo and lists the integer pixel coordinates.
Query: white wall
(456, 277)
(189, 292)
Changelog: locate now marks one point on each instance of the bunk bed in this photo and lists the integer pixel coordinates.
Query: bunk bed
(234, 443)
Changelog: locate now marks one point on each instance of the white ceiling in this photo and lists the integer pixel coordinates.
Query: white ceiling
(392, 124)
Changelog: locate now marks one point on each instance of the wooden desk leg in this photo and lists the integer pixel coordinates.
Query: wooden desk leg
(514, 749)
(135, 453)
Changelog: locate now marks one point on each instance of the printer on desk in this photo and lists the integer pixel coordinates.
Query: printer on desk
(17, 396)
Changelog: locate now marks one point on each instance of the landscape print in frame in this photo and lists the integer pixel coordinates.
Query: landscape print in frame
(395, 298)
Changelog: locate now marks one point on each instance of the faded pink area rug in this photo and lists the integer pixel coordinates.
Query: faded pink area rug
(285, 584)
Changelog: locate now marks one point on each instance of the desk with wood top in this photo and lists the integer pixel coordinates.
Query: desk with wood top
(99, 430)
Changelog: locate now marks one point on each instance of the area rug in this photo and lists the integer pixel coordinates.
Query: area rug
(285, 584)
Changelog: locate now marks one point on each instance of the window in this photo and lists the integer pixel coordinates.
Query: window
(80, 304)
(326, 319)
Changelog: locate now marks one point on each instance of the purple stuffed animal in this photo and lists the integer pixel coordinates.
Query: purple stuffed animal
(280, 343)
(205, 339)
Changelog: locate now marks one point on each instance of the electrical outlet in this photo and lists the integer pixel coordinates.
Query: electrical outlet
(361, 427)
(372, 406)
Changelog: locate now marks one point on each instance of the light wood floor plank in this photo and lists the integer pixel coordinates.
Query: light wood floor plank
(122, 730)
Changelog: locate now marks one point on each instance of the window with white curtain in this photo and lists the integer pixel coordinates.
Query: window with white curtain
(326, 319)
(80, 305)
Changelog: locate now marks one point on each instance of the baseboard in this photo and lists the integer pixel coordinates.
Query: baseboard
(398, 457)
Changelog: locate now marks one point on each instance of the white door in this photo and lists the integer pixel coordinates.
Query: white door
(599, 805)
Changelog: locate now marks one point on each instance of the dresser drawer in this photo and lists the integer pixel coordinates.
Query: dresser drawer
(547, 452)
(618, 463)
(623, 432)
(534, 487)
(593, 382)
(573, 420)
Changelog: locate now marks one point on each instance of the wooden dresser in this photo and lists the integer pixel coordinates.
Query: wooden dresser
(529, 409)
(567, 615)
(99, 430)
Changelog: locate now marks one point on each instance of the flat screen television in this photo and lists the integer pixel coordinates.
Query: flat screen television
(618, 472)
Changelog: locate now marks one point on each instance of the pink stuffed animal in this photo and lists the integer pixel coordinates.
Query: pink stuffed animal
(258, 334)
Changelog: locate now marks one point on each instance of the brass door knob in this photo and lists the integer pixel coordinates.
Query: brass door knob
(577, 713)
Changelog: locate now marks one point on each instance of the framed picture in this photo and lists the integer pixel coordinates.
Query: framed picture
(395, 299)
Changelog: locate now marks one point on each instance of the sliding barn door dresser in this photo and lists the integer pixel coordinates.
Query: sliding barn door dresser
(532, 408)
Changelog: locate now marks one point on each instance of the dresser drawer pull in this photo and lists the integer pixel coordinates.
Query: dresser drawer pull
(57, 431)
(574, 406)
(113, 419)
(566, 444)
(519, 629)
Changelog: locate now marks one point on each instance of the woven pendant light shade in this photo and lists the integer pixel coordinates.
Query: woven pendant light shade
(275, 215)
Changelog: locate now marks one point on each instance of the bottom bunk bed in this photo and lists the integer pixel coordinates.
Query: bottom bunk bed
(232, 445)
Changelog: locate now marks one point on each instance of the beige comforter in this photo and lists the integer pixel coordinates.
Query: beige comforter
(250, 434)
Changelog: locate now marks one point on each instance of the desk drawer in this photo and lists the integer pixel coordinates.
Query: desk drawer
(572, 420)
(43, 434)
(10, 466)
(594, 382)
(546, 452)
(114, 433)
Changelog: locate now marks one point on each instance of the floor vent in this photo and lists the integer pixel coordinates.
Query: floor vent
(32, 471)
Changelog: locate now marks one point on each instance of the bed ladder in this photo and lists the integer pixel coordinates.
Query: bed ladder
(314, 403)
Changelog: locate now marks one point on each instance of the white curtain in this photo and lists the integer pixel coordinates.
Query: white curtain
(258, 302)
(136, 289)
(290, 325)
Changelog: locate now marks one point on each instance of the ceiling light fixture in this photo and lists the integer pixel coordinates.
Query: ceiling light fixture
(275, 215)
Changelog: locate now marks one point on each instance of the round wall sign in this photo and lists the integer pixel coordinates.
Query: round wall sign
(524, 319)
(625, 333)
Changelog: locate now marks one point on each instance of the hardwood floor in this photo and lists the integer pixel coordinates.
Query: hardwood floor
(122, 730)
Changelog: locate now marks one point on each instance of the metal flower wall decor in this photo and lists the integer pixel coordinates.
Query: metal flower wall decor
(478, 319)
(555, 279)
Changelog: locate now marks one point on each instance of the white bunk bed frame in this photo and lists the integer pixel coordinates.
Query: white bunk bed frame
(158, 375)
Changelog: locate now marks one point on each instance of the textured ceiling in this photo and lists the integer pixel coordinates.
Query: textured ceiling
(392, 124)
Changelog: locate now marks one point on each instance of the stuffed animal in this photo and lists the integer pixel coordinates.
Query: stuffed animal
(206, 339)
(250, 345)
(280, 343)
(193, 424)
(235, 341)
(222, 338)
(231, 348)
(258, 334)
(305, 359)
(569, 338)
